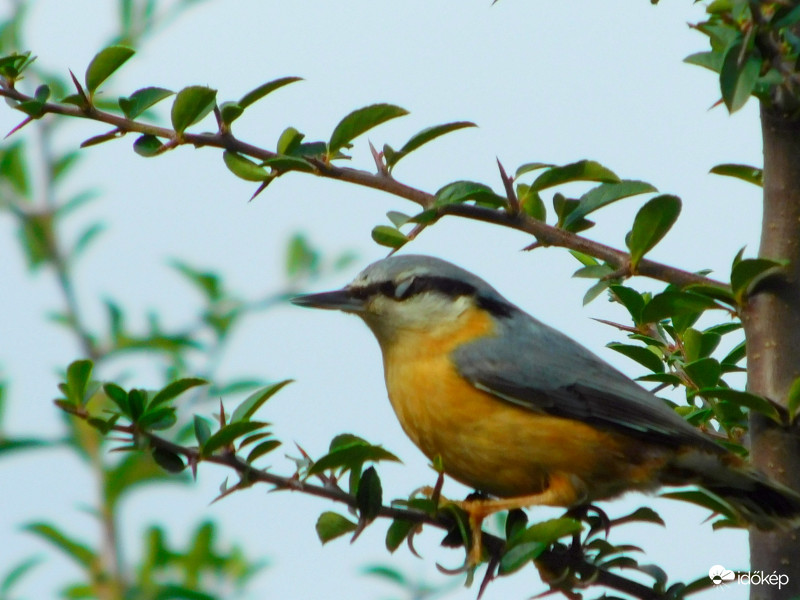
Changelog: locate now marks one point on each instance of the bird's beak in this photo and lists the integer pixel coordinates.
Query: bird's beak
(337, 300)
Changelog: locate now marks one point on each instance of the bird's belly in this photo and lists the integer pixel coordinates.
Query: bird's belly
(503, 449)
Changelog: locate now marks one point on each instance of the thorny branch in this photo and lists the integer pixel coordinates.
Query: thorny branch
(545, 234)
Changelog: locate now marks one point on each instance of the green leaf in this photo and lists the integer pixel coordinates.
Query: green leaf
(369, 497)
(743, 399)
(264, 89)
(169, 461)
(228, 434)
(531, 166)
(583, 170)
(747, 273)
(672, 304)
(157, 419)
(302, 259)
(331, 525)
(262, 449)
(289, 141)
(652, 223)
(75, 550)
(708, 60)
(360, 121)
(738, 77)
(548, 531)
(706, 500)
(104, 64)
(283, 164)
(174, 389)
(644, 356)
(191, 104)
(705, 372)
(746, 173)
(462, 191)
(16, 573)
(230, 111)
(793, 399)
(140, 100)
(147, 145)
(389, 236)
(350, 452)
(398, 531)
(78, 374)
(202, 430)
(605, 194)
(423, 137)
(243, 167)
(518, 555)
(531, 202)
(256, 400)
(630, 299)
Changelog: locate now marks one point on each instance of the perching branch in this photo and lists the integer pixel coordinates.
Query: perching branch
(545, 234)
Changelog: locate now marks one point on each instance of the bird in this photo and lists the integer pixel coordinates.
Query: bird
(519, 411)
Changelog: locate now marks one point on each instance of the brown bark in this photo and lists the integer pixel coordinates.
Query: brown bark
(772, 326)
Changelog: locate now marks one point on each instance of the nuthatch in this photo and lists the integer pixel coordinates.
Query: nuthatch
(518, 410)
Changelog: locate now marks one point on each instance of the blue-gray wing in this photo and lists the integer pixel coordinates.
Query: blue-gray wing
(535, 366)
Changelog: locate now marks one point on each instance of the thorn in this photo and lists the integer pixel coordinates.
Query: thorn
(379, 162)
(221, 414)
(508, 184)
(532, 246)
(619, 326)
(79, 87)
(410, 542)
(494, 562)
(225, 493)
(462, 569)
(261, 188)
(18, 127)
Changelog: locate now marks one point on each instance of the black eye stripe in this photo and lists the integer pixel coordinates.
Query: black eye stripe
(443, 285)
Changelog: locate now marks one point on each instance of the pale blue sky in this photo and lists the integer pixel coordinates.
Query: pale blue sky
(545, 81)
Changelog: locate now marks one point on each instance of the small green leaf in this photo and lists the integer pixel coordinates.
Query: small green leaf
(369, 497)
(289, 141)
(104, 64)
(398, 219)
(651, 224)
(603, 195)
(360, 121)
(548, 531)
(644, 356)
(157, 419)
(142, 99)
(746, 173)
(743, 399)
(264, 89)
(422, 138)
(262, 449)
(673, 304)
(75, 550)
(331, 525)
(389, 236)
(519, 555)
(708, 60)
(350, 452)
(706, 500)
(630, 299)
(118, 396)
(256, 400)
(583, 170)
(228, 434)
(202, 430)
(174, 389)
(283, 164)
(169, 461)
(705, 372)
(230, 111)
(16, 573)
(462, 191)
(191, 105)
(147, 145)
(302, 259)
(78, 374)
(398, 531)
(793, 399)
(243, 167)
(531, 202)
(748, 272)
(738, 77)
(531, 166)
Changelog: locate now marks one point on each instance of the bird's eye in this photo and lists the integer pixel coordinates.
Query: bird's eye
(403, 288)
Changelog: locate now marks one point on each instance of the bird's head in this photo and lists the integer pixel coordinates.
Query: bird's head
(410, 292)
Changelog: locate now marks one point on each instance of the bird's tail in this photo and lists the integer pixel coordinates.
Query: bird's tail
(754, 497)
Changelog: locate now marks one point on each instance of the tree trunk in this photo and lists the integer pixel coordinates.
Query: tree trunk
(772, 326)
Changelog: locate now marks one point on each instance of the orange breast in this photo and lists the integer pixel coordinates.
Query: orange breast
(495, 446)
